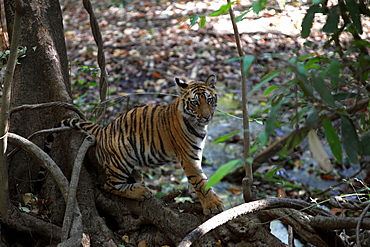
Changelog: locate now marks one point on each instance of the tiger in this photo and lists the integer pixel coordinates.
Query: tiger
(154, 135)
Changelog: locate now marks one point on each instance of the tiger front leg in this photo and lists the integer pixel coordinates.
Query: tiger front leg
(117, 183)
(209, 200)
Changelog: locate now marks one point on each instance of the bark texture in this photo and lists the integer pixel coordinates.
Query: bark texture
(41, 76)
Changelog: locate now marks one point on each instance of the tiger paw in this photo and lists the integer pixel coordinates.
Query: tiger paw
(136, 191)
(212, 205)
(139, 192)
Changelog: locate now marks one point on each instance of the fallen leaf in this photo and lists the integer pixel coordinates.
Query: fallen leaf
(156, 75)
(142, 244)
(318, 151)
(234, 191)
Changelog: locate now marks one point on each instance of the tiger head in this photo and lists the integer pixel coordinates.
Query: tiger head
(199, 100)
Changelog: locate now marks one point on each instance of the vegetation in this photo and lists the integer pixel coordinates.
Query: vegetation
(322, 97)
(327, 94)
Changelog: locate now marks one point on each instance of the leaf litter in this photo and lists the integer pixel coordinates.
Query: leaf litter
(148, 43)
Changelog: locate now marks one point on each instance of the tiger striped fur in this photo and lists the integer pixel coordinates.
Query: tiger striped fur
(153, 135)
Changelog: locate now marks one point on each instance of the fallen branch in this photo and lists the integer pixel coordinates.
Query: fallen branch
(299, 222)
(45, 160)
(247, 208)
(359, 223)
(68, 192)
(339, 223)
(69, 216)
(30, 224)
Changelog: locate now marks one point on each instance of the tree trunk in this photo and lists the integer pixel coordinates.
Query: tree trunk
(41, 76)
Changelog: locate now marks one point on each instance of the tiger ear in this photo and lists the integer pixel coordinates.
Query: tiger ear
(211, 81)
(181, 83)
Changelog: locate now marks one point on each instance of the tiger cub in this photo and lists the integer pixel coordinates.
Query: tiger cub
(153, 135)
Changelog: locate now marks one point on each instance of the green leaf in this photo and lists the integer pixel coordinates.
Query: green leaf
(331, 25)
(227, 136)
(345, 96)
(91, 84)
(270, 89)
(25, 209)
(334, 72)
(224, 9)
(266, 78)
(202, 22)
(272, 172)
(159, 195)
(222, 172)
(240, 17)
(365, 145)
(354, 12)
(193, 20)
(258, 5)
(350, 140)
(247, 63)
(301, 74)
(294, 139)
(272, 118)
(308, 19)
(263, 138)
(322, 89)
(332, 138)
(312, 119)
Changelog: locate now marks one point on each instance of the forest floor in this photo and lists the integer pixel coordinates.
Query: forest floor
(148, 43)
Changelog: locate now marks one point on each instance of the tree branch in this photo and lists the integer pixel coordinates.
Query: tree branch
(247, 208)
(27, 223)
(103, 83)
(47, 105)
(71, 201)
(44, 159)
(45, 131)
(249, 192)
(4, 112)
(67, 191)
(338, 223)
(280, 144)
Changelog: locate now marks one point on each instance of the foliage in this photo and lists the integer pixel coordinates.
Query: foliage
(81, 84)
(322, 87)
(4, 55)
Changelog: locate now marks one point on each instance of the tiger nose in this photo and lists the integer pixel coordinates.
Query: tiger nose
(207, 117)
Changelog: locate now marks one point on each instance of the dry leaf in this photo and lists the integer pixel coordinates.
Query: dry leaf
(142, 244)
(318, 151)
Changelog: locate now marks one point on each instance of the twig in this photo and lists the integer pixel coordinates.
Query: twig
(248, 190)
(71, 201)
(5, 106)
(103, 82)
(54, 170)
(45, 160)
(358, 226)
(338, 223)
(45, 131)
(247, 208)
(32, 225)
(47, 105)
